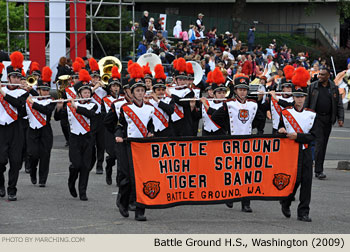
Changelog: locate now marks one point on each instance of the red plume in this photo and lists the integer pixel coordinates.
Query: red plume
(1, 67)
(241, 75)
(136, 71)
(209, 77)
(181, 65)
(34, 67)
(84, 75)
(288, 72)
(16, 59)
(76, 67)
(130, 62)
(81, 62)
(46, 74)
(159, 72)
(23, 73)
(175, 63)
(217, 76)
(115, 72)
(93, 65)
(189, 68)
(300, 77)
(147, 69)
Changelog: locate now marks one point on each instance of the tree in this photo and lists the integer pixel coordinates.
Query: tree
(16, 23)
(238, 9)
(343, 8)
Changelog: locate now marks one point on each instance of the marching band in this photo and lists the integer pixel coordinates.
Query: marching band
(99, 109)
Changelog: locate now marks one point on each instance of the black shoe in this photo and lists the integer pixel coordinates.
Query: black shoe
(286, 211)
(83, 197)
(27, 170)
(72, 190)
(108, 180)
(12, 197)
(305, 218)
(67, 144)
(99, 171)
(132, 207)
(140, 217)
(34, 181)
(2, 192)
(42, 185)
(246, 209)
(229, 204)
(320, 175)
(123, 211)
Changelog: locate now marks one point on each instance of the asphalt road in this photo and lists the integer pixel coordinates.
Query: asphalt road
(52, 210)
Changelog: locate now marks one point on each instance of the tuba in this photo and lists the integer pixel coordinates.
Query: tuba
(151, 58)
(106, 64)
(198, 72)
(64, 82)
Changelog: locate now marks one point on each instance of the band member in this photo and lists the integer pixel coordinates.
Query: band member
(163, 105)
(197, 94)
(209, 88)
(298, 123)
(98, 94)
(69, 94)
(39, 134)
(208, 107)
(81, 116)
(279, 102)
(236, 116)
(135, 121)
(263, 107)
(35, 70)
(113, 88)
(182, 116)
(12, 100)
(148, 76)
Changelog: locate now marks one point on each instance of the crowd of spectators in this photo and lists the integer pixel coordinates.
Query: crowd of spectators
(211, 49)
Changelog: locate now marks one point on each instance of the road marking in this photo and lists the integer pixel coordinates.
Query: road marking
(341, 138)
(341, 130)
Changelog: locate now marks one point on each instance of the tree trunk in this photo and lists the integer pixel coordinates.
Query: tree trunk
(238, 10)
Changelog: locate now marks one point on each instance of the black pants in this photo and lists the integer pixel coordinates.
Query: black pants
(39, 145)
(25, 158)
(98, 149)
(11, 146)
(111, 157)
(323, 128)
(304, 179)
(127, 193)
(65, 128)
(80, 149)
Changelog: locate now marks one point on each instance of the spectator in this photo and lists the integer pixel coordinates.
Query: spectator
(135, 27)
(151, 22)
(199, 22)
(211, 35)
(158, 25)
(177, 30)
(247, 66)
(191, 34)
(251, 38)
(63, 68)
(149, 35)
(142, 48)
(144, 23)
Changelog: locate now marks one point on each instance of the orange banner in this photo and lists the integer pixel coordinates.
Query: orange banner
(207, 170)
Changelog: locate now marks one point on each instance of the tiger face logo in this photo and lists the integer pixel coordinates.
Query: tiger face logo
(242, 80)
(281, 180)
(243, 115)
(151, 189)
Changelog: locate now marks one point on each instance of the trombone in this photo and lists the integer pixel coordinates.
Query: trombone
(31, 80)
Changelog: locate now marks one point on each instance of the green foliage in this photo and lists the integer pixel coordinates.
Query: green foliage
(110, 42)
(16, 23)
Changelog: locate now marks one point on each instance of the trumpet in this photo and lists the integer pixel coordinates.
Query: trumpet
(105, 77)
(67, 100)
(31, 80)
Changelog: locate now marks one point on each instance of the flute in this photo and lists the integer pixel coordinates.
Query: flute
(197, 99)
(67, 100)
(261, 93)
(41, 96)
(10, 84)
